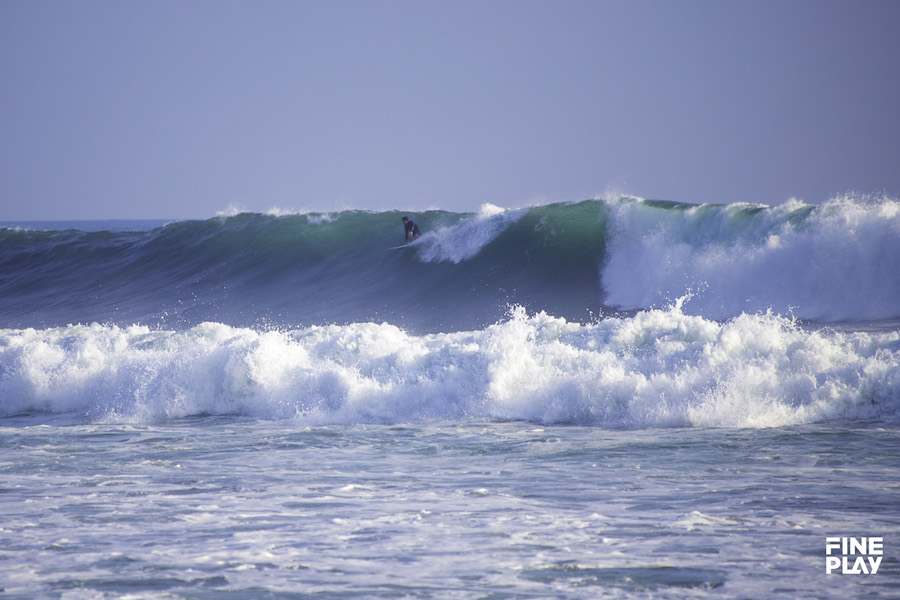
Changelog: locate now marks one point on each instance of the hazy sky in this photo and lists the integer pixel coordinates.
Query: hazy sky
(181, 109)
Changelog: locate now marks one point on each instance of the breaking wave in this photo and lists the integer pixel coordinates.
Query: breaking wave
(659, 368)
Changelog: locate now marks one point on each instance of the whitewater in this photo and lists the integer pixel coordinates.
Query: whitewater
(611, 398)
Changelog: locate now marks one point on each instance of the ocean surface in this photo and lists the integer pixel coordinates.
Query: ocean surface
(616, 398)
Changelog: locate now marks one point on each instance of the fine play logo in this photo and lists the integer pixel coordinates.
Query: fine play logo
(853, 556)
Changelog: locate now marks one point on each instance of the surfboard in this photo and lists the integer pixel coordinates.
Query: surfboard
(415, 242)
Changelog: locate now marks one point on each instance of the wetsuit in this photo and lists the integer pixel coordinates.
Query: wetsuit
(412, 230)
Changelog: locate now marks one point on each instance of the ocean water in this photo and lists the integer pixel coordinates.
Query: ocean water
(617, 398)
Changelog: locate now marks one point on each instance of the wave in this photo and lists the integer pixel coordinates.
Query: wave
(295, 270)
(658, 368)
(838, 261)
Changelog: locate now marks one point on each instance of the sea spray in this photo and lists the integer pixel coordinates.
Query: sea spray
(465, 239)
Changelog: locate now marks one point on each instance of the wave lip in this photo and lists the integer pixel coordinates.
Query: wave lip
(659, 368)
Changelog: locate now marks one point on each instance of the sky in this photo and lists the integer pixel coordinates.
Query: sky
(187, 109)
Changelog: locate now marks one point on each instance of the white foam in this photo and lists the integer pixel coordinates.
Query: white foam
(842, 261)
(232, 210)
(465, 239)
(660, 368)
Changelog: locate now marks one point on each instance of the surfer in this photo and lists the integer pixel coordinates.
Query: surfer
(412, 230)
